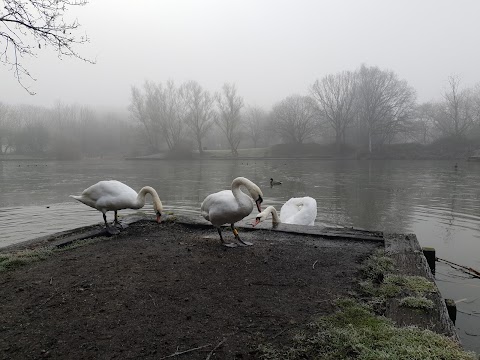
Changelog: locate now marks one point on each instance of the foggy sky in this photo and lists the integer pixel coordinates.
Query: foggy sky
(269, 49)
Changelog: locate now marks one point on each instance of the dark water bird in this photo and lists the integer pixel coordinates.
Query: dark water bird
(113, 195)
(230, 206)
(273, 182)
(455, 166)
(299, 211)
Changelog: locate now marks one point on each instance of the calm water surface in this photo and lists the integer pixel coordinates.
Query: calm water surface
(439, 204)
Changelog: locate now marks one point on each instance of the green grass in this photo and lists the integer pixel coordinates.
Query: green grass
(417, 284)
(14, 260)
(417, 302)
(377, 265)
(355, 332)
(10, 261)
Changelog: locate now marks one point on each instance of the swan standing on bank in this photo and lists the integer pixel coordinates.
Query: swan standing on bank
(299, 211)
(113, 195)
(230, 206)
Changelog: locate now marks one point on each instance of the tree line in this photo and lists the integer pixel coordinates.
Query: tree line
(63, 131)
(362, 109)
(365, 109)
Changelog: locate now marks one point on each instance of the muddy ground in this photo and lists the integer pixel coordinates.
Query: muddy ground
(157, 289)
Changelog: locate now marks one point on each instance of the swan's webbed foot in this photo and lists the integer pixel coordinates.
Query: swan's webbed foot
(223, 241)
(112, 230)
(117, 223)
(230, 245)
(243, 243)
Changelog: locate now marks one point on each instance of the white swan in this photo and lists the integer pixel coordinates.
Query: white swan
(114, 195)
(299, 211)
(230, 206)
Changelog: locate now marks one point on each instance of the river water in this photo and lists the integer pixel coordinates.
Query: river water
(433, 199)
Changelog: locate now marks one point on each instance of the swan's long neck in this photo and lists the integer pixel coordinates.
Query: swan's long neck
(236, 188)
(273, 211)
(157, 204)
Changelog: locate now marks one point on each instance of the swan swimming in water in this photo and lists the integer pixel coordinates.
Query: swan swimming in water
(230, 206)
(299, 211)
(113, 195)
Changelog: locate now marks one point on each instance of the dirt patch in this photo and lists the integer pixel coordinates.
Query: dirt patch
(156, 289)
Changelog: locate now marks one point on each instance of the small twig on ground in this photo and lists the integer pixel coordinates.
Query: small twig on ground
(176, 353)
(49, 298)
(279, 333)
(313, 266)
(215, 348)
(51, 281)
(154, 303)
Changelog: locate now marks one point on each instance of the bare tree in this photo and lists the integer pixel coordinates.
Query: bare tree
(229, 119)
(173, 112)
(295, 119)
(138, 110)
(161, 110)
(255, 121)
(26, 26)
(384, 104)
(335, 96)
(3, 125)
(423, 123)
(9, 124)
(200, 110)
(457, 112)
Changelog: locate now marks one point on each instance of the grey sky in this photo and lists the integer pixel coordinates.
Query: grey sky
(269, 49)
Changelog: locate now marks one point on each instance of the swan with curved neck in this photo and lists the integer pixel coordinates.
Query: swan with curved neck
(230, 206)
(113, 195)
(299, 211)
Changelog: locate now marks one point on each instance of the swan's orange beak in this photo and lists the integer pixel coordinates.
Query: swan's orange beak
(159, 217)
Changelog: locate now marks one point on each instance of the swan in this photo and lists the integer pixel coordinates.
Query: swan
(230, 206)
(299, 211)
(272, 182)
(113, 195)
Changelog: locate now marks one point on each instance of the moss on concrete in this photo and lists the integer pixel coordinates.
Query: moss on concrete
(355, 332)
(417, 302)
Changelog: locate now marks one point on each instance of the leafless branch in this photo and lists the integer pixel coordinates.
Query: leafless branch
(27, 26)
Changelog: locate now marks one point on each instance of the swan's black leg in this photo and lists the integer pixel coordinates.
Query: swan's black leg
(116, 222)
(111, 230)
(235, 232)
(223, 241)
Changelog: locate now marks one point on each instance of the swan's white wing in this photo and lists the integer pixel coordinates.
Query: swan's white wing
(300, 211)
(108, 195)
(289, 209)
(222, 208)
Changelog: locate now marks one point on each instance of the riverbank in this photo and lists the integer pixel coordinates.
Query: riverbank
(436, 151)
(440, 150)
(157, 290)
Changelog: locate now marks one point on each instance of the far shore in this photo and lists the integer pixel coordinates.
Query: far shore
(310, 151)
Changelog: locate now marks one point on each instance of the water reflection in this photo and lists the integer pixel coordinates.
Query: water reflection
(429, 198)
